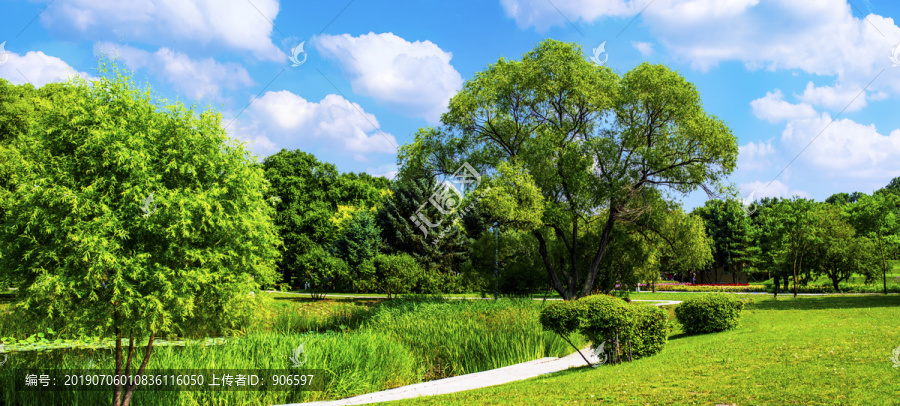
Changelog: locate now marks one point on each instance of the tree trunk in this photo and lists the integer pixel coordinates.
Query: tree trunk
(129, 390)
(777, 280)
(795, 275)
(117, 393)
(883, 264)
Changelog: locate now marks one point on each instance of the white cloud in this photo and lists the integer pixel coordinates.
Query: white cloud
(413, 77)
(196, 78)
(645, 48)
(834, 98)
(386, 171)
(236, 24)
(334, 124)
(774, 188)
(821, 37)
(37, 68)
(754, 156)
(543, 14)
(843, 147)
(773, 108)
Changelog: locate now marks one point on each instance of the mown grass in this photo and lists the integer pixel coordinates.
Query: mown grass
(809, 350)
(363, 346)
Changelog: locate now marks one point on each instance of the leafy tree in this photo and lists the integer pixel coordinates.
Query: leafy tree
(441, 258)
(134, 219)
(590, 141)
(892, 187)
(321, 271)
(732, 234)
(876, 216)
(357, 241)
(793, 227)
(688, 246)
(305, 193)
(394, 273)
(836, 250)
(838, 199)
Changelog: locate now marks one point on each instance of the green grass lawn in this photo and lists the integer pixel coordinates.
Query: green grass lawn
(809, 350)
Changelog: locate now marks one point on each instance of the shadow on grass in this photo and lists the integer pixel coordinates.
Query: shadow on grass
(788, 302)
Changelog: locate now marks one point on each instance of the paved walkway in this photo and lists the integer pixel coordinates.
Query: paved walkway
(476, 380)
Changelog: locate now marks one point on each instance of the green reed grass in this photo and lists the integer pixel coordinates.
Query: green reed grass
(362, 349)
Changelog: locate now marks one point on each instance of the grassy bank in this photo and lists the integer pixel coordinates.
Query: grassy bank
(809, 350)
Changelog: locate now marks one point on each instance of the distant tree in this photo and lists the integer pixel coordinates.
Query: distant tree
(876, 216)
(441, 258)
(357, 241)
(732, 234)
(836, 251)
(131, 219)
(892, 187)
(304, 190)
(394, 273)
(793, 221)
(838, 199)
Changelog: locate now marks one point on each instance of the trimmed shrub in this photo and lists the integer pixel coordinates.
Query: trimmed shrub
(651, 330)
(604, 318)
(601, 318)
(709, 313)
(562, 318)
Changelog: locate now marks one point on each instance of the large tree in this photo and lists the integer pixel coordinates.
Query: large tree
(589, 141)
(133, 219)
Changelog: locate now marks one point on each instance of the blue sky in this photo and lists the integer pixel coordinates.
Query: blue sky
(783, 74)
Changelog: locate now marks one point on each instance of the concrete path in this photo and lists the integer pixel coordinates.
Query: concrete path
(476, 380)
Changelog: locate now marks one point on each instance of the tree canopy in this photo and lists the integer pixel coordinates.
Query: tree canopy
(592, 144)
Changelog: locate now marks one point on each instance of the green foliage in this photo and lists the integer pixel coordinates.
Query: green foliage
(562, 317)
(321, 270)
(400, 235)
(589, 142)
(709, 313)
(357, 242)
(396, 273)
(88, 249)
(307, 194)
(520, 270)
(651, 330)
(603, 318)
(732, 234)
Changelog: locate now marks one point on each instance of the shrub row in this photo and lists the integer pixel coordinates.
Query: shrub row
(634, 330)
(709, 313)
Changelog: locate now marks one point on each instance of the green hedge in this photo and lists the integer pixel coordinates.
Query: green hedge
(602, 318)
(709, 313)
(651, 332)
